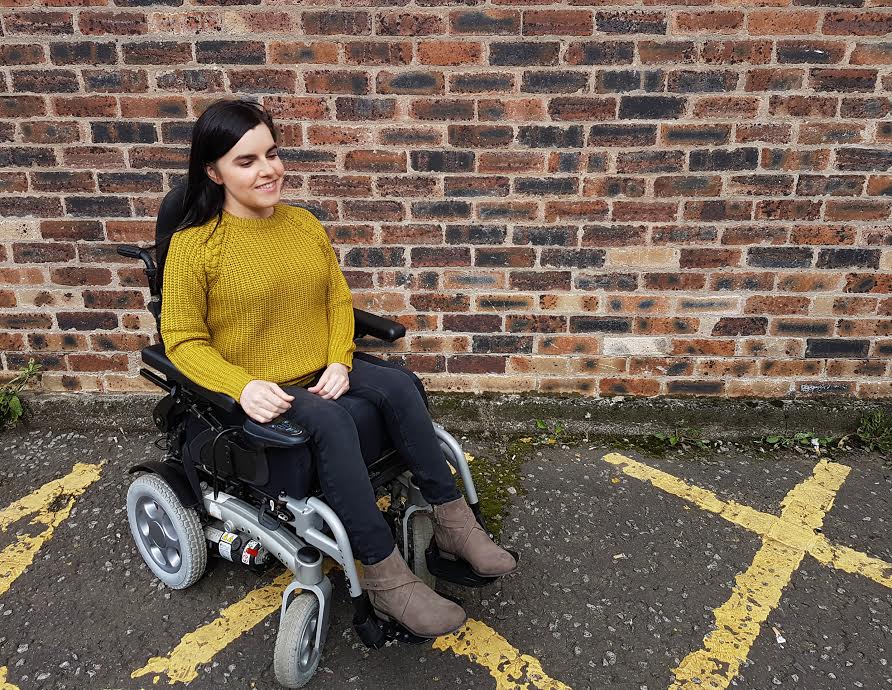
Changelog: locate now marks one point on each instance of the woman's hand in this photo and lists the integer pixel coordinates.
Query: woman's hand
(333, 383)
(263, 401)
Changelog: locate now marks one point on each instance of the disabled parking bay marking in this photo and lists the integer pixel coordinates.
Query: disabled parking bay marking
(5, 684)
(786, 539)
(477, 641)
(50, 504)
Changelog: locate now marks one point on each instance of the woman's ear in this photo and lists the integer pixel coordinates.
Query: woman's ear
(212, 173)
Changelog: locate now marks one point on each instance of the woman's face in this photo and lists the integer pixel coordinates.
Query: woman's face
(251, 173)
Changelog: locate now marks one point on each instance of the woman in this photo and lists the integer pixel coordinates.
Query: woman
(255, 306)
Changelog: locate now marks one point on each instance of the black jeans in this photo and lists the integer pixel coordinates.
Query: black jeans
(339, 462)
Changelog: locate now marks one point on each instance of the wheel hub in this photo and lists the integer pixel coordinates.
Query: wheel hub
(158, 535)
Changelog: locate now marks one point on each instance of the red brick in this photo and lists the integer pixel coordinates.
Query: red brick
(782, 22)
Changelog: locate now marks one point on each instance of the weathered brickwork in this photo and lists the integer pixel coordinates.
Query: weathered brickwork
(648, 198)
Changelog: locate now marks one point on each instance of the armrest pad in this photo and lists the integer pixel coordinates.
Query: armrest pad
(376, 326)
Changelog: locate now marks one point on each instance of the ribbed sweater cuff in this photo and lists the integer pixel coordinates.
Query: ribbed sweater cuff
(346, 360)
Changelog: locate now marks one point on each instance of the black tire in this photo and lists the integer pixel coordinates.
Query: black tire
(168, 535)
(296, 657)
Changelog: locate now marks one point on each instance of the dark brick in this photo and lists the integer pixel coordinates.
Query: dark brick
(622, 135)
(98, 206)
(442, 161)
(476, 234)
(421, 83)
(488, 82)
(828, 79)
(550, 137)
(46, 81)
(650, 107)
(600, 324)
(600, 53)
(480, 136)
(331, 22)
(441, 209)
(617, 282)
(25, 22)
(848, 258)
(487, 22)
(746, 158)
(26, 157)
(116, 81)
(836, 348)
(554, 82)
(850, 158)
(546, 185)
(779, 257)
(87, 321)
(684, 81)
(573, 258)
(365, 108)
(22, 54)
(83, 53)
(539, 280)
(123, 132)
(157, 53)
(231, 52)
(63, 181)
(749, 325)
(630, 22)
(676, 387)
(473, 323)
(502, 343)
(524, 54)
(375, 257)
(581, 108)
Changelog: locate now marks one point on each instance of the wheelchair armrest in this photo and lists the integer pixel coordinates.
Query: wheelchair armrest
(154, 356)
(377, 326)
(279, 433)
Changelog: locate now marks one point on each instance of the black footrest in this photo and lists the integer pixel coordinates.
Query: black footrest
(457, 572)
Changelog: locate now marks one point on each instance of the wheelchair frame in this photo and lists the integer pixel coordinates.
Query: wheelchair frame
(294, 530)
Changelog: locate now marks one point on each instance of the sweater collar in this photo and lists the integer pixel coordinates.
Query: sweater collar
(256, 223)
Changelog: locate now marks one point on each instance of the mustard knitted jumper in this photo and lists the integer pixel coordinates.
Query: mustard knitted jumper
(255, 298)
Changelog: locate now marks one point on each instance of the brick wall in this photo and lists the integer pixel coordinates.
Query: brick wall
(639, 199)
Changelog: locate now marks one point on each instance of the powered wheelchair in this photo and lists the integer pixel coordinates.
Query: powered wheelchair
(230, 487)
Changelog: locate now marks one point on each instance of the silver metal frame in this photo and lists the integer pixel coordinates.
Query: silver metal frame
(311, 517)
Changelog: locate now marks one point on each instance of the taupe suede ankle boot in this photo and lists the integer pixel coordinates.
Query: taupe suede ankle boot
(458, 534)
(397, 594)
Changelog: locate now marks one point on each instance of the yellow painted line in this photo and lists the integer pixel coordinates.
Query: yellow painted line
(511, 669)
(51, 504)
(786, 528)
(480, 643)
(758, 590)
(5, 684)
(201, 645)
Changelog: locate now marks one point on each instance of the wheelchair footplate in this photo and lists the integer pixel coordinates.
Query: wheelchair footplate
(457, 572)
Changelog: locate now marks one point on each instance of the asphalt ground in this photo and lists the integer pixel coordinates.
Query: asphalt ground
(628, 562)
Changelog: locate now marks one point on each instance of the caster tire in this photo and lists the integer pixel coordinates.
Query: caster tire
(421, 531)
(168, 535)
(296, 657)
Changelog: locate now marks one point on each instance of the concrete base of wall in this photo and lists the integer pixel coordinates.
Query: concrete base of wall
(518, 414)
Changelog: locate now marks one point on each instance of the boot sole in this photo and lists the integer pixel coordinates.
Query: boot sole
(452, 557)
(385, 617)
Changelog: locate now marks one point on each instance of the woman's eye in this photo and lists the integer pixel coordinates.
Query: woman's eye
(246, 164)
(274, 154)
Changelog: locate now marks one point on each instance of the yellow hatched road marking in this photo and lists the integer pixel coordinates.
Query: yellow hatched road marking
(475, 640)
(484, 646)
(786, 539)
(201, 645)
(5, 684)
(783, 528)
(50, 504)
(758, 590)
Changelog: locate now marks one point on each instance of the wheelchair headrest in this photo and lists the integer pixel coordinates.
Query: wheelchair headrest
(172, 211)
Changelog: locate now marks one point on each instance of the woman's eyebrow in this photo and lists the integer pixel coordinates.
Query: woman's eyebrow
(251, 156)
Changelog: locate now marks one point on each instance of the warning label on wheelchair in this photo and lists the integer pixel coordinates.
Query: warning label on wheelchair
(635, 572)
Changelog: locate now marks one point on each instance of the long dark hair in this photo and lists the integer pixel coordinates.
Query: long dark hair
(217, 130)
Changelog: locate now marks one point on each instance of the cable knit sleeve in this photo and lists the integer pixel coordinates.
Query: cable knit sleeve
(183, 319)
(340, 304)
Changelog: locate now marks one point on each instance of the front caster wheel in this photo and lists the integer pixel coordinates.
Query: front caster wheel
(297, 656)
